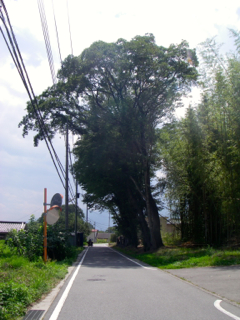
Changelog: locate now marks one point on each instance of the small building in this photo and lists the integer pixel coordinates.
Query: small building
(169, 225)
(93, 235)
(104, 235)
(7, 226)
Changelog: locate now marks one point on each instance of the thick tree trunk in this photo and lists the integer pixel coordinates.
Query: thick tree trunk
(145, 232)
(138, 205)
(128, 219)
(152, 212)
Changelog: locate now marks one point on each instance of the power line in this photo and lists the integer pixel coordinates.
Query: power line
(13, 48)
(71, 165)
(56, 29)
(15, 53)
(29, 214)
(69, 28)
(51, 65)
(92, 222)
(47, 39)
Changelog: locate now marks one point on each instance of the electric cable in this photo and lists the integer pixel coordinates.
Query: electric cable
(99, 223)
(23, 73)
(56, 29)
(47, 39)
(49, 52)
(51, 63)
(16, 54)
(9, 49)
(69, 28)
(71, 164)
(45, 35)
(12, 51)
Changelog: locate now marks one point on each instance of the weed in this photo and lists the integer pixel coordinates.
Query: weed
(102, 240)
(174, 258)
(22, 281)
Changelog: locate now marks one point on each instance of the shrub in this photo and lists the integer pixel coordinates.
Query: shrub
(29, 243)
(113, 237)
(23, 281)
(13, 300)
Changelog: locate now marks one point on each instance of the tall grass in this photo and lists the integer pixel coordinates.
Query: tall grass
(102, 241)
(176, 258)
(23, 282)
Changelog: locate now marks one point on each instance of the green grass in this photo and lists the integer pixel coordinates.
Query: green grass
(176, 258)
(23, 282)
(102, 240)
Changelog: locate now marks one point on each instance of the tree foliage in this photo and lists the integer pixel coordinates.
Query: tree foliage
(114, 95)
(200, 154)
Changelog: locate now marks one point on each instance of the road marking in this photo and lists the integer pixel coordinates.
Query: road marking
(149, 268)
(60, 304)
(217, 305)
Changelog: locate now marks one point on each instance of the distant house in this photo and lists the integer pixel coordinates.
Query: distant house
(169, 225)
(93, 235)
(6, 226)
(104, 235)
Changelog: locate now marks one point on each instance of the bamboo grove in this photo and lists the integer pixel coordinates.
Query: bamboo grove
(200, 154)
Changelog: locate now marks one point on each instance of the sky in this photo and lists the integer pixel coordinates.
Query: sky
(26, 170)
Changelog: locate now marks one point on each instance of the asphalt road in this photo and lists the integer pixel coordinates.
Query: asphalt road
(223, 280)
(107, 285)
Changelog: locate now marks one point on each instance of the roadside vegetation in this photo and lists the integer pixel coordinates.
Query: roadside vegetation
(184, 257)
(23, 282)
(24, 277)
(102, 240)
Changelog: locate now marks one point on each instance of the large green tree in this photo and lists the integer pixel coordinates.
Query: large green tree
(121, 90)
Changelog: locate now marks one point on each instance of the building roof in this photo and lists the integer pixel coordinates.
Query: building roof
(103, 235)
(6, 226)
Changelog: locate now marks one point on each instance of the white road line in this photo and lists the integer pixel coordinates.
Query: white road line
(134, 261)
(60, 304)
(217, 305)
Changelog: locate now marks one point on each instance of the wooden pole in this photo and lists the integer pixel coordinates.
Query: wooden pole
(87, 212)
(66, 182)
(76, 210)
(45, 227)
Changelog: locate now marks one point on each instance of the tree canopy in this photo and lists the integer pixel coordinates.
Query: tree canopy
(114, 96)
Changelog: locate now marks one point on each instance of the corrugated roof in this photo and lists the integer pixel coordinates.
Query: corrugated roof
(6, 226)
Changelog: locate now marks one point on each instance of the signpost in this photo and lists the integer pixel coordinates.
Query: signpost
(51, 216)
(56, 200)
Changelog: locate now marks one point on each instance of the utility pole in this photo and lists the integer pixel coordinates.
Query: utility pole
(87, 213)
(45, 227)
(76, 210)
(109, 223)
(66, 181)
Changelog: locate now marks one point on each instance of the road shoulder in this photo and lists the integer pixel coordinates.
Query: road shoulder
(222, 281)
